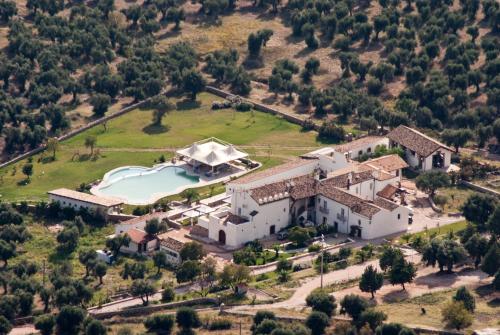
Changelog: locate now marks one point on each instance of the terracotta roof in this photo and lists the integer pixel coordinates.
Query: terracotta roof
(85, 197)
(359, 143)
(415, 141)
(387, 163)
(143, 218)
(171, 243)
(341, 180)
(139, 236)
(388, 191)
(385, 204)
(273, 171)
(295, 188)
(356, 204)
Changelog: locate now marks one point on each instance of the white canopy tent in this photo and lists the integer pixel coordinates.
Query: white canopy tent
(212, 152)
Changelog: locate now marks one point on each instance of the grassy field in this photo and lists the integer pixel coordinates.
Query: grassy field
(131, 140)
(441, 231)
(456, 196)
(408, 312)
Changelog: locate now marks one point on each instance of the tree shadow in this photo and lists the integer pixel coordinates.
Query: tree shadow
(24, 182)
(396, 295)
(437, 279)
(154, 129)
(188, 104)
(253, 63)
(47, 160)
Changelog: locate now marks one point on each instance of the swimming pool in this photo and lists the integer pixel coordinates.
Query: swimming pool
(141, 185)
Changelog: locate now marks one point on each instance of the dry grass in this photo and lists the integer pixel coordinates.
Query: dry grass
(456, 196)
(408, 312)
(4, 31)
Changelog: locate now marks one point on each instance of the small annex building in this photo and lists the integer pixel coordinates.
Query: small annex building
(78, 200)
(421, 151)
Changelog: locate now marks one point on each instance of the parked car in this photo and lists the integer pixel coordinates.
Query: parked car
(106, 256)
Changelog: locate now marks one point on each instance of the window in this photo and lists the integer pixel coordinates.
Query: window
(371, 186)
(413, 152)
(324, 203)
(359, 222)
(356, 190)
(284, 210)
(397, 173)
(399, 216)
(369, 150)
(341, 212)
(360, 152)
(239, 210)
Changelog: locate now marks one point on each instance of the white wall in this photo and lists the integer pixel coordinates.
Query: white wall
(76, 204)
(173, 256)
(386, 223)
(275, 213)
(132, 247)
(382, 223)
(368, 147)
(123, 228)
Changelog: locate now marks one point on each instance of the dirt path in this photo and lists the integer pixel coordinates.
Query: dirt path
(428, 280)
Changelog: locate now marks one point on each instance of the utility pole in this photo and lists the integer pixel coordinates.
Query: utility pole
(43, 270)
(322, 253)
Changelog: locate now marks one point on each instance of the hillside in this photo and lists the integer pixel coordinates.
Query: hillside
(363, 64)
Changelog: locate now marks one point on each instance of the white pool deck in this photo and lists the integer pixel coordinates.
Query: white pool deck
(204, 180)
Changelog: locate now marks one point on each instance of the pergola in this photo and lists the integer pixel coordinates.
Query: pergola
(211, 152)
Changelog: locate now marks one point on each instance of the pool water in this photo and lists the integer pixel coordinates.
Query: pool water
(141, 185)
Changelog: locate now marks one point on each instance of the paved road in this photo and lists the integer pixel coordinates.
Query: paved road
(298, 299)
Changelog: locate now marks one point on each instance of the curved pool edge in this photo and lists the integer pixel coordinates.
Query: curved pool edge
(159, 195)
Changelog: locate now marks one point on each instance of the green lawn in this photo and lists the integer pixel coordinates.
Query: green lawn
(130, 140)
(444, 230)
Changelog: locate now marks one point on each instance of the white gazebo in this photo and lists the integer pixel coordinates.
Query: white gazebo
(211, 152)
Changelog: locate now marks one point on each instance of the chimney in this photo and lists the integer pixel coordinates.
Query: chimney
(349, 180)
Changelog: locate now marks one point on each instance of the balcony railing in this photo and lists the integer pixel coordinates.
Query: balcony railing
(341, 217)
(324, 210)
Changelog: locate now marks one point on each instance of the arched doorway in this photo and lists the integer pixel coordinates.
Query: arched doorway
(222, 237)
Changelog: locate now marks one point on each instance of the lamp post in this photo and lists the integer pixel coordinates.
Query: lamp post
(322, 253)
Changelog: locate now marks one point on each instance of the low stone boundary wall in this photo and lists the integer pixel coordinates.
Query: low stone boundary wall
(261, 107)
(144, 310)
(480, 188)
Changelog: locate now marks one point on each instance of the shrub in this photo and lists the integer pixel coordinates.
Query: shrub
(317, 322)
(243, 106)
(159, 324)
(463, 295)
(263, 315)
(440, 199)
(455, 315)
(314, 248)
(168, 294)
(321, 301)
(220, 324)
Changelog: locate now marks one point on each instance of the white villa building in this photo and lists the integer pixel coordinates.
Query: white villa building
(323, 186)
(421, 151)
